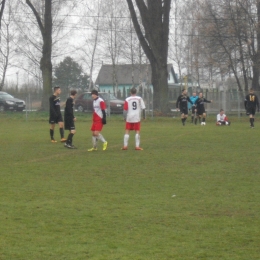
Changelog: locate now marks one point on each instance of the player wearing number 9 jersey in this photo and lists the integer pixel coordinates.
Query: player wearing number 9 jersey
(133, 107)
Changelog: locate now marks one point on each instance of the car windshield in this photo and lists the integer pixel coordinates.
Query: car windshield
(107, 96)
(6, 96)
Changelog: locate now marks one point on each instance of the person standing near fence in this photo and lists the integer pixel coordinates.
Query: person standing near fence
(182, 105)
(98, 120)
(69, 119)
(251, 102)
(55, 115)
(200, 108)
(133, 107)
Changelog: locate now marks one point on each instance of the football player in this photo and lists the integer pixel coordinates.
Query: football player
(69, 119)
(133, 107)
(55, 115)
(251, 102)
(200, 108)
(98, 120)
(182, 105)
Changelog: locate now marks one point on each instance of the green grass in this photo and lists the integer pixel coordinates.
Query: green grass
(193, 193)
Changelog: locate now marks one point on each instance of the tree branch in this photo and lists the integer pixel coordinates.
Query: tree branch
(138, 30)
(2, 11)
(28, 2)
(166, 22)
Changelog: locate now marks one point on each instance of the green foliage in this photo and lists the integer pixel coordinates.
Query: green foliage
(69, 74)
(193, 193)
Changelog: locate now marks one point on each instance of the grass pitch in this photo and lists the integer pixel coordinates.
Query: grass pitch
(193, 193)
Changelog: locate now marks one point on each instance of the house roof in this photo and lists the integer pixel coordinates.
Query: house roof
(124, 74)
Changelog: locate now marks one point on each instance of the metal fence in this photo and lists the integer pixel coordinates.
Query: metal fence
(231, 101)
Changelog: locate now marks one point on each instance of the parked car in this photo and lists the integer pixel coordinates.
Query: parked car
(8, 102)
(84, 102)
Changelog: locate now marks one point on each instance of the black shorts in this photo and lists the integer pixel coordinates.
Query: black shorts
(184, 110)
(69, 125)
(201, 112)
(222, 122)
(193, 109)
(250, 111)
(55, 119)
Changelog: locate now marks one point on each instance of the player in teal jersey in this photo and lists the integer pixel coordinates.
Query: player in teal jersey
(192, 106)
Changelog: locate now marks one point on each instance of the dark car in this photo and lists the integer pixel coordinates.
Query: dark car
(84, 102)
(8, 102)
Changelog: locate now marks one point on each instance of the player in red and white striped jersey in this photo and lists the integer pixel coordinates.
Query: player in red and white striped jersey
(133, 107)
(99, 119)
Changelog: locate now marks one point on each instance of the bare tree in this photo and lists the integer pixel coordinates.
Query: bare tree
(111, 38)
(50, 17)
(252, 38)
(45, 27)
(176, 46)
(88, 51)
(224, 23)
(4, 52)
(93, 53)
(2, 10)
(229, 43)
(153, 35)
(7, 44)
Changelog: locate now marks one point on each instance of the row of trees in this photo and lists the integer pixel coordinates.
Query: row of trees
(155, 15)
(220, 40)
(210, 41)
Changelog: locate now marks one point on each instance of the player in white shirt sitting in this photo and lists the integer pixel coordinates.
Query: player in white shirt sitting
(222, 118)
(133, 107)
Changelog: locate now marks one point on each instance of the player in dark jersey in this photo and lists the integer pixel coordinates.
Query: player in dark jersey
(69, 119)
(200, 108)
(182, 105)
(55, 115)
(251, 102)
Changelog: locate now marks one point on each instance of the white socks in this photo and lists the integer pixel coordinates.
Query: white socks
(101, 138)
(126, 138)
(94, 141)
(137, 140)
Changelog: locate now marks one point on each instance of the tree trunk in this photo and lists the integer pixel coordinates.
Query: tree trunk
(160, 83)
(5, 62)
(5, 56)
(46, 68)
(5, 59)
(256, 74)
(256, 60)
(46, 64)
